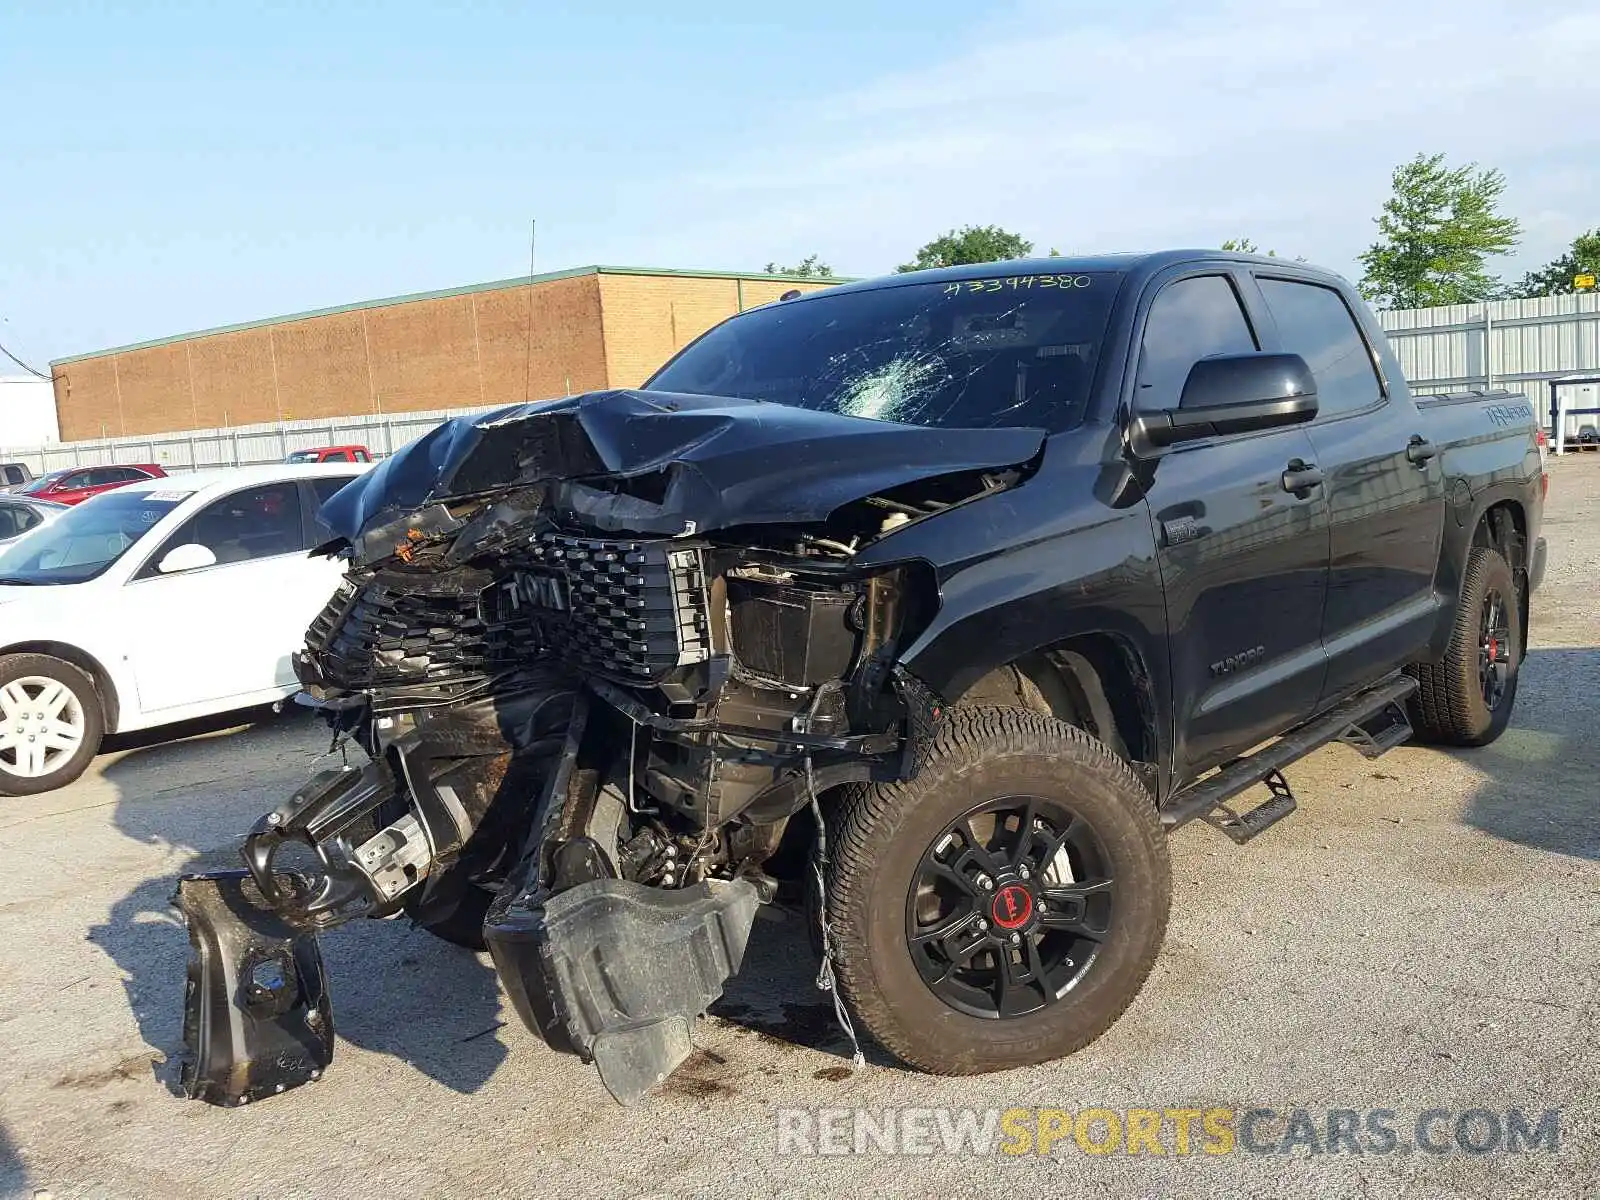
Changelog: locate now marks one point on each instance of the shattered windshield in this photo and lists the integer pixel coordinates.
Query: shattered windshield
(1005, 350)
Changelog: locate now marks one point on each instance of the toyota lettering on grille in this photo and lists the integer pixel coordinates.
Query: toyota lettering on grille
(529, 590)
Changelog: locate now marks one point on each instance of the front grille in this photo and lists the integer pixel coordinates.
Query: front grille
(404, 629)
(632, 611)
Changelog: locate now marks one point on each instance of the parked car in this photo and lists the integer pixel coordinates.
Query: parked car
(939, 598)
(14, 475)
(1588, 436)
(156, 602)
(74, 485)
(18, 514)
(322, 454)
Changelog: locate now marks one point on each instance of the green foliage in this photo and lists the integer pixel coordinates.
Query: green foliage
(1555, 277)
(971, 244)
(1244, 246)
(811, 267)
(1435, 231)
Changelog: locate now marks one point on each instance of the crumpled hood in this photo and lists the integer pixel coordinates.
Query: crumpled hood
(716, 462)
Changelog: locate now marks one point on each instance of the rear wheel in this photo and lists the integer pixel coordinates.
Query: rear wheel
(1466, 698)
(51, 723)
(1003, 907)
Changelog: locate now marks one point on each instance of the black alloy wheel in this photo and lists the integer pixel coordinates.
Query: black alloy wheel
(1010, 906)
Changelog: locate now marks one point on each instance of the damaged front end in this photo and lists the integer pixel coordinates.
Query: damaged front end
(598, 654)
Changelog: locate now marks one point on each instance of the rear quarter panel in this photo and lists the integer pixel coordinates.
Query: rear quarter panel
(1489, 455)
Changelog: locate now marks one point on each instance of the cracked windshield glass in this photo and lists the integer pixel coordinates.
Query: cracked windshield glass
(1010, 350)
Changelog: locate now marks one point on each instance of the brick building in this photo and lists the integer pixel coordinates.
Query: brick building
(492, 343)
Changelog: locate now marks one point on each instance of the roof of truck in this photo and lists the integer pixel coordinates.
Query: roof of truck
(1143, 264)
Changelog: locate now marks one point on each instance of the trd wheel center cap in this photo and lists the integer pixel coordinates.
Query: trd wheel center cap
(1012, 907)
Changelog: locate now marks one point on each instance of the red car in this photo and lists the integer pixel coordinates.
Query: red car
(322, 454)
(76, 484)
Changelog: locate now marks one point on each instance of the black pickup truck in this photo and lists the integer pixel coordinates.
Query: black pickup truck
(927, 606)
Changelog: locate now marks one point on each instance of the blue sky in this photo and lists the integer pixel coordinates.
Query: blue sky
(169, 166)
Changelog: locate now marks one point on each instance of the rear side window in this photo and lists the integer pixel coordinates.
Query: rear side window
(1191, 319)
(16, 475)
(1315, 323)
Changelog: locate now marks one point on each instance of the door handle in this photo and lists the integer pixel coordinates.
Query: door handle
(1419, 450)
(1301, 477)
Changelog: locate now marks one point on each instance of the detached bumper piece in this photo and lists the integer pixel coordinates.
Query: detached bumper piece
(617, 972)
(256, 1017)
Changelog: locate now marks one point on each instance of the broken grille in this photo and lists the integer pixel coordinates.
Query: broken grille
(633, 611)
(630, 611)
(394, 630)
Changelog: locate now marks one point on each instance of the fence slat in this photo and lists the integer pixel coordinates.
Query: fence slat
(241, 445)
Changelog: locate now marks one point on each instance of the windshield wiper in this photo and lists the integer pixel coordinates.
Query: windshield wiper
(19, 581)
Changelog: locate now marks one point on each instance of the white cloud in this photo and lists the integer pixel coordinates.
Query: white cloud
(1272, 119)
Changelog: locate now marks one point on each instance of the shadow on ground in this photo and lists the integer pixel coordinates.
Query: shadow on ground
(1542, 778)
(196, 789)
(13, 1176)
(775, 994)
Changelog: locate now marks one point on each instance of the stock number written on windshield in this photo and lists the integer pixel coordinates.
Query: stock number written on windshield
(1016, 283)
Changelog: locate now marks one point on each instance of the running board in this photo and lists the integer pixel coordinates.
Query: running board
(1241, 827)
(1379, 733)
(1200, 798)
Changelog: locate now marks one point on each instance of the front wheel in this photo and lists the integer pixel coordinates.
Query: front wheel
(1003, 907)
(51, 723)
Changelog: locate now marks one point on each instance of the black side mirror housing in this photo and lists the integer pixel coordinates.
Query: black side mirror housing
(1232, 393)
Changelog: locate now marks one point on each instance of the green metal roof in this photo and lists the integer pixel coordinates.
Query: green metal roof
(445, 294)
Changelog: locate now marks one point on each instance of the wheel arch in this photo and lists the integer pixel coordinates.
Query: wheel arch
(1097, 681)
(1503, 526)
(110, 704)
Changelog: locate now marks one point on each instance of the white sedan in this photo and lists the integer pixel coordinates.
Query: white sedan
(154, 603)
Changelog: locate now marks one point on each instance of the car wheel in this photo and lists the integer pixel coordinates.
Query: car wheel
(1004, 906)
(1465, 699)
(51, 723)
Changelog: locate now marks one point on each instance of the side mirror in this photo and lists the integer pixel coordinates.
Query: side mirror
(188, 557)
(1233, 393)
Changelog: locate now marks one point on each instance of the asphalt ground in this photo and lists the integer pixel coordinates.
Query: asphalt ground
(1421, 938)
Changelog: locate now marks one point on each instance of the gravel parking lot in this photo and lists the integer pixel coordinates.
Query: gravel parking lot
(1424, 933)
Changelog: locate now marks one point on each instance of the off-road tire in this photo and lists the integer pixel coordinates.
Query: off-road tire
(883, 831)
(23, 666)
(1448, 708)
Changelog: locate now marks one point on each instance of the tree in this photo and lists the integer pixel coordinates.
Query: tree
(1246, 246)
(1436, 230)
(1556, 275)
(972, 244)
(811, 267)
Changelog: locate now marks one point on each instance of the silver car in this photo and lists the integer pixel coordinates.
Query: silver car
(18, 514)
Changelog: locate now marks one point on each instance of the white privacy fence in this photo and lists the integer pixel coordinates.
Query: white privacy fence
(239, 446)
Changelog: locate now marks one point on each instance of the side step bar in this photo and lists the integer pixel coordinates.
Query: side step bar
(1347, 721)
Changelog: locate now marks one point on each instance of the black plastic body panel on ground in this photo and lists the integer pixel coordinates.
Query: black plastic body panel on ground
(617, 972)
(256, 1018)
